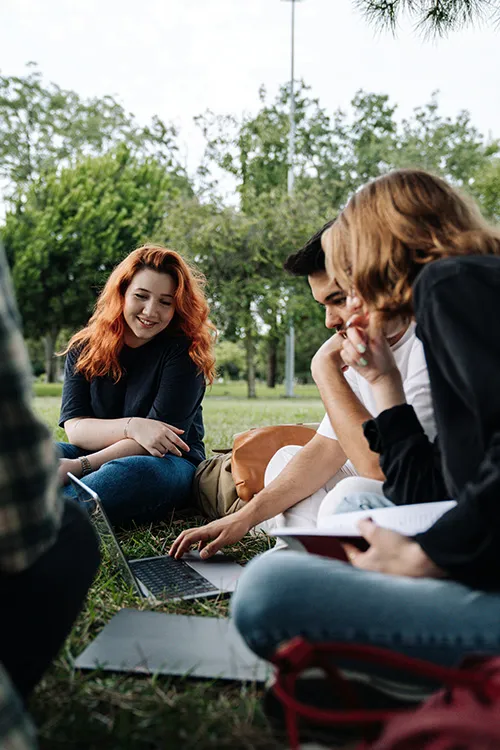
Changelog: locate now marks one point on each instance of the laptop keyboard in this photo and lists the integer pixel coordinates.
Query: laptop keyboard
(168, 578)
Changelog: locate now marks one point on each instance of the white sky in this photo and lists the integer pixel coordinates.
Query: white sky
(178, 58)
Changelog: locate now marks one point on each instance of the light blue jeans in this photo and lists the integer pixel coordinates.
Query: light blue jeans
(288, 594)
(138, 489)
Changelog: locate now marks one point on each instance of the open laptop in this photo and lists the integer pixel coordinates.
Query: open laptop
(161, 577)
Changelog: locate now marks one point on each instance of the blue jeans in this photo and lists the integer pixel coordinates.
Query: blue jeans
(288, 594)
(138, 489)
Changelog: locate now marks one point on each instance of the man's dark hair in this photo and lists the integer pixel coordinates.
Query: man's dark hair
(310, 258)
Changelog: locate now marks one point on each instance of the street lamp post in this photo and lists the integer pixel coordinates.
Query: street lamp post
(291, 135)
(290, 336)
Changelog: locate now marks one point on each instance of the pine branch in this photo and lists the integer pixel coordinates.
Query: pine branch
(432, 17)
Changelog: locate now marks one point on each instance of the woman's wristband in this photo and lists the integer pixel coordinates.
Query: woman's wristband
(125, 429)
(86, 467)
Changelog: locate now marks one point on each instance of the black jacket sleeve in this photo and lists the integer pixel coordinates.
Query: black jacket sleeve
(410, 461)
(457, 307)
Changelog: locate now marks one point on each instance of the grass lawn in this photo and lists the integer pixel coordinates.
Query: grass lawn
(87, 711)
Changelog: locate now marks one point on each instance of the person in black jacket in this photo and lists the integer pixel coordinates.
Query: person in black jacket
(409, 245)
(134, 381)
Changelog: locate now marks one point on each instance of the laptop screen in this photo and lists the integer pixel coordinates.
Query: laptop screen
(91, 501)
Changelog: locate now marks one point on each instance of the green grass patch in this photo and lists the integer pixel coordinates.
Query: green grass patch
(47, 389)
(238, 389)
(101, 711)
(232, 389)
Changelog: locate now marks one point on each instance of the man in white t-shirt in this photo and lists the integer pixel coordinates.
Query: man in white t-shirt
(300, 482)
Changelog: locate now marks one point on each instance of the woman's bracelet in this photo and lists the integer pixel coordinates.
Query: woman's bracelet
(86, 467)
(125, 429)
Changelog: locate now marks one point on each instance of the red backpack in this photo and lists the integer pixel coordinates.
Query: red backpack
(463, 715)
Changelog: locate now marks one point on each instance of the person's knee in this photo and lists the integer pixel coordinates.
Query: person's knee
(356, 485)
(351, 494)
(336, 497)
(258, 592)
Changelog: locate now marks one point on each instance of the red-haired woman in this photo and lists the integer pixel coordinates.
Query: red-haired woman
(134, 381)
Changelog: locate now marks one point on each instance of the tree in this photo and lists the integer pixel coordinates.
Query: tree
(230, 357)
(72, 229)
(44, 128)
(254, 149)
(334, 157)
(433, 17)
(452, 147)
(242, 257)
(486, 190)
(222, 243)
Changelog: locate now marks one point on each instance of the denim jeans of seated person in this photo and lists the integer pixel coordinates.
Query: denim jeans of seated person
(138, 489)
(294, 594)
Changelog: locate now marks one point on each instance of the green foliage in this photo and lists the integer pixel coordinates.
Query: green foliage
(242, 250)
(486, 189)
(44, 128)
(75, 222)
(73, 228)
(242, 254)
(452, 147)
(254, 149)
(230, 359)
(432, 17)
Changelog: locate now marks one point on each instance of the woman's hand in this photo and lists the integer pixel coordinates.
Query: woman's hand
(391, 553)
(73, 465)
(372, 357)
(158, 438)
(223, 531)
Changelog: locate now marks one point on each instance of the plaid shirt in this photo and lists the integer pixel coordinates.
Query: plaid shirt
(30, 505)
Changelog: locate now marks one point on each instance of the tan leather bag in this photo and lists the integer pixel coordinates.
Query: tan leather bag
(253, 449)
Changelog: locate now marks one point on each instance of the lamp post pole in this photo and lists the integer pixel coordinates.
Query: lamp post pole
(291, 135)
(290, 336)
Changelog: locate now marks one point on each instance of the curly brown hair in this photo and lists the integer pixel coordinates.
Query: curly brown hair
(392, 227)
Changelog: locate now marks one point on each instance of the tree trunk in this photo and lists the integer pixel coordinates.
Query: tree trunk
(272, 362)
(250, 350)
(51, 363)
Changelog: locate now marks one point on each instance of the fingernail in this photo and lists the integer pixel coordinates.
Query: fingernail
(362, 362)
(361, 348)
(203, 553)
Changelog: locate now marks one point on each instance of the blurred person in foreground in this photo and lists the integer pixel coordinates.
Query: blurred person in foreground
(48, 550)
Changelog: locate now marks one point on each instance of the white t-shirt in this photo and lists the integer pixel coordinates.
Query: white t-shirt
(410, 359)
